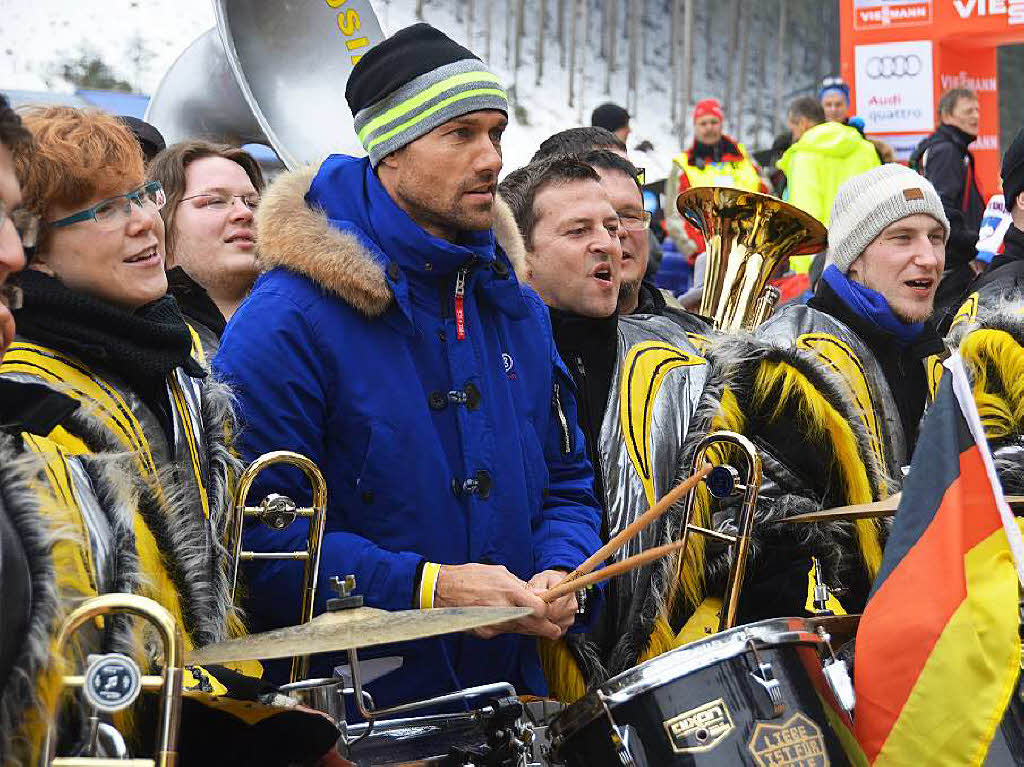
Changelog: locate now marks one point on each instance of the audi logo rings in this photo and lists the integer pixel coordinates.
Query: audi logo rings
(886, 67)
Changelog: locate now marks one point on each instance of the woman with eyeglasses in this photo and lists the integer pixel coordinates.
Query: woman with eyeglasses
(96, 323)
(212, 193)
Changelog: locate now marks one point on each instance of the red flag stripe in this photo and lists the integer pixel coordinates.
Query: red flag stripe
(911, 603)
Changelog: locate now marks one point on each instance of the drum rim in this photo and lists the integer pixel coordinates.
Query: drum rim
(667, 668)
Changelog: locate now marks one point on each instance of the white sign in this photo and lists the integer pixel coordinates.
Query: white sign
(894, 87)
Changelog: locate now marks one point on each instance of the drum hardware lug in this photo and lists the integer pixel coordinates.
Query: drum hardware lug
(821, 590)
(837, 673)
(620, 746)
(765, 677)
(581, 601)
(838, 676)
(345, 600)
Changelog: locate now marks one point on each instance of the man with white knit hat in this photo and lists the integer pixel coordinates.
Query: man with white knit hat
(869, 317)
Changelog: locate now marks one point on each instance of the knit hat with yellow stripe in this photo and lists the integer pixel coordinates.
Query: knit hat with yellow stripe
(414, 81)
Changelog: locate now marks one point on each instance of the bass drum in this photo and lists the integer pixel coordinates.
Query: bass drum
(755, 694)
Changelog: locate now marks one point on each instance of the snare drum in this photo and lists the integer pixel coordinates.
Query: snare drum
(755, 694)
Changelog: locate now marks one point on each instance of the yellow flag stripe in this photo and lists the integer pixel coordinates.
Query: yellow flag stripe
(958, 700)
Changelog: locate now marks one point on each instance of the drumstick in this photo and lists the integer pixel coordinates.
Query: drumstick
(637, 525)
(567, 587)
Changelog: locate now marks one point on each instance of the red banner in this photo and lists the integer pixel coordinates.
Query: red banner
(899, 57)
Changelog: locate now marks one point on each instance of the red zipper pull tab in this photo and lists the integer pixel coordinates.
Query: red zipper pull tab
(460, 305)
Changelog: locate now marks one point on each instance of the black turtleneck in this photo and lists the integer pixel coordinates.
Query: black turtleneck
(142, 347)
(903, 369)
(650, 300)
(588, 346)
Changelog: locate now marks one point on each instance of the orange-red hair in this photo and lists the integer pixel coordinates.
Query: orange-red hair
(77, 154)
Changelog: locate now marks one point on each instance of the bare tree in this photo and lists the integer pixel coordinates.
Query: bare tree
(745, 10)
(613, 42)
(608, 43)
(419, 9)
(634, 50)
(709, 47)
(561, 32)
(520, 30)
(762, 78)
(686, 87)
(572, 52)
(583, 13)
(780, 64)
(673, 36)
(674, 59)
(730, 70)
(470, 18)
(458, 10)
(541, 24)
(510, 32)
(488, 24)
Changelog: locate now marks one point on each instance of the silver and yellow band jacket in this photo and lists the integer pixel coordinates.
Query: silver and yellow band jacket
(988, 331)
(110, 509)
(671, 388)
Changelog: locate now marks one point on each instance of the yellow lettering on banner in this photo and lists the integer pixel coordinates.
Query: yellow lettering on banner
(336, 3)
(359, 42)
(349, 22)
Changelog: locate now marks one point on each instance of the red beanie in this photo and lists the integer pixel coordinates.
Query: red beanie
(708, 107)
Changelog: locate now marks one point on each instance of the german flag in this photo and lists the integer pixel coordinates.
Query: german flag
(938, 648)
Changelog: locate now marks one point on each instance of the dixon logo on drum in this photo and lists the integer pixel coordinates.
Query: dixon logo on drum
(797, 741)
(699, 729)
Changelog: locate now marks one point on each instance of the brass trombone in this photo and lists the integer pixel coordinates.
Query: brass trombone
(112, 682)
(278, 512)
(723, 482)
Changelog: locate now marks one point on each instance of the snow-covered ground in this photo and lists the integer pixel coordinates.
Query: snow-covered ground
(35, 35)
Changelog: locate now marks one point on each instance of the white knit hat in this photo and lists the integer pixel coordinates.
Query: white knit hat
(867, 203)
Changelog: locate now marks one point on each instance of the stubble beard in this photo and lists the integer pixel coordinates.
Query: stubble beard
(454, 217)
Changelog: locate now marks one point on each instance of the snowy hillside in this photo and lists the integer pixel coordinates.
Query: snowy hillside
(37, 35)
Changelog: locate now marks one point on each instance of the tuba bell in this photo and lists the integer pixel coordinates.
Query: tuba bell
(270, 73)
(747, 235)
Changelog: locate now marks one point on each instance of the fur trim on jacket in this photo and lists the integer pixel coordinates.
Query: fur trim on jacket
(299, 238)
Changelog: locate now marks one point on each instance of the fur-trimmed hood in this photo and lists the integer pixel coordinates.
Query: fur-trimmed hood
(297, 237)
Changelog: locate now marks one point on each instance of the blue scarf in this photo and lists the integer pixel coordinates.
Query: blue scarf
(871, 306)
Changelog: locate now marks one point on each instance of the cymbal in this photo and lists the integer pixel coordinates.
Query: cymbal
(884, 508)
(348, 629)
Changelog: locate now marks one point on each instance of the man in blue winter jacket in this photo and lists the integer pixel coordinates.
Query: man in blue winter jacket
(391, 342)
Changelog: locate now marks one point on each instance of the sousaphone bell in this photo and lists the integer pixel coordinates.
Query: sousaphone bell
(747, 236)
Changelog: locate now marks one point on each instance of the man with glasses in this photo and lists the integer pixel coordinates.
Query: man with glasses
(622, 181)
(212, 191)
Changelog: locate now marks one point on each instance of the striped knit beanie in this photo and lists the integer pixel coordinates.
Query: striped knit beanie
(412, 82)
(867, 203)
